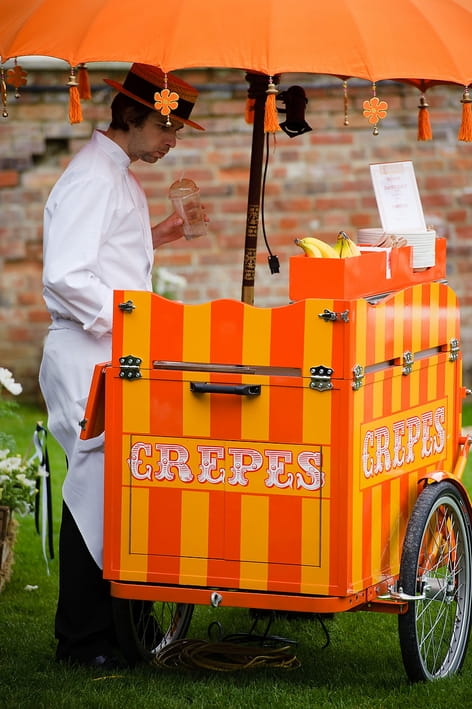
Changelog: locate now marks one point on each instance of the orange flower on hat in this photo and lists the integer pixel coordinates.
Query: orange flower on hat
(375, 109)
(166, 101)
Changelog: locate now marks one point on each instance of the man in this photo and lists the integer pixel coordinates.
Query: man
(98, 238)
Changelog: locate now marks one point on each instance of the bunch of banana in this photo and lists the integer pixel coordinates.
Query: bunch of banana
(345, 246)
(316, 248)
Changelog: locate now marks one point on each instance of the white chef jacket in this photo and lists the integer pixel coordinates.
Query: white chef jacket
(97, 238)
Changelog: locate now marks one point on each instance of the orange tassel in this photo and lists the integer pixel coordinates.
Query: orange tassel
(424, 124)
(271, 121)
(75, 109)
(465, 130)
(249, 110)
(84, 83)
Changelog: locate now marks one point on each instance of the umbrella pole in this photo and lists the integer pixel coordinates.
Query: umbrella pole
(257, 90)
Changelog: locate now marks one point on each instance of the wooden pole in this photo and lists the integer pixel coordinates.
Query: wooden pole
(257, 91)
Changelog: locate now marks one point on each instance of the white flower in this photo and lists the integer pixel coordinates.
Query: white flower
(6, 380)
(10, 464)
(18, 477)
(21, 477)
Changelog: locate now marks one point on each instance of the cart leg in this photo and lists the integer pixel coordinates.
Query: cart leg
(436, 566)
(144, 628)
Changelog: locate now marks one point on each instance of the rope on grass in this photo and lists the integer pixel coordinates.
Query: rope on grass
(224, 656)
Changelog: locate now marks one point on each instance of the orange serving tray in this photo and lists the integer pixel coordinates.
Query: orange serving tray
(361, 276)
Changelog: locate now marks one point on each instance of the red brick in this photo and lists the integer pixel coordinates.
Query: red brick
(9, 178)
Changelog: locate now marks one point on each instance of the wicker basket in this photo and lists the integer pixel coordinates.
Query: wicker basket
(8, 527)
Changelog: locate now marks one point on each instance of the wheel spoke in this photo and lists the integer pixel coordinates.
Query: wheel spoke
(437, 562)
(144, 628)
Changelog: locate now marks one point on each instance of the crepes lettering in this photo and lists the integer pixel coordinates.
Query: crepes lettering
(404, 443)
(220, 464)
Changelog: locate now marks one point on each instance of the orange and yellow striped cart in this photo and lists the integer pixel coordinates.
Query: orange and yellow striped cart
(302, 458)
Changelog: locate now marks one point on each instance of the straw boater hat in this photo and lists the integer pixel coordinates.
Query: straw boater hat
(165, 93)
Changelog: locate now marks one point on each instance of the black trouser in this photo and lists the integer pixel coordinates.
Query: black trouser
(84, 618)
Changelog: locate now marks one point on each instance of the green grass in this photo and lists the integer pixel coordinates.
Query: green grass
(361, 668)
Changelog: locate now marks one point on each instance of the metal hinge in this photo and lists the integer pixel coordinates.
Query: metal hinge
(408, 358)
(321, 378)
(330, 315)
(127, 307)
(129, 368)
(358, 376)
(455, 349)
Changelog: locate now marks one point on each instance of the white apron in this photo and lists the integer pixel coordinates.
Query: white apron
(65, 375)
(97, 239)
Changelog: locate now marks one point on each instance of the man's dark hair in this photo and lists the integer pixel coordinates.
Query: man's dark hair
(125, 110)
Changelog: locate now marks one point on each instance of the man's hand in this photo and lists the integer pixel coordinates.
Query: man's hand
(170, 229)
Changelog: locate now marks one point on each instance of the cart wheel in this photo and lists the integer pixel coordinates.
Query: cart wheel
(436, 564)
(144, 628)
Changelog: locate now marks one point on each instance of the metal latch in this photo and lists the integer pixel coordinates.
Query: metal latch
(321, 378)
(358, 376)
(129, 368)
(127, 307)
(455, 349)
(408, 358)
(331, 315)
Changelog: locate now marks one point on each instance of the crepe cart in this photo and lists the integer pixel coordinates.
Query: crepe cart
(301, 458)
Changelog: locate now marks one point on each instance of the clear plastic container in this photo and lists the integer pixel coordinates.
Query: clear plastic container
(185, 196)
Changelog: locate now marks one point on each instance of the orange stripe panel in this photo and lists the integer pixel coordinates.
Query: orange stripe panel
(287, 335)
(164, 533)
(385, 531)
(257, 337)
(286, 414)
(167, 321)
(166, 405)
(226, 331)
(225, 411)
(395, 526)
(428, 302)
(194, 537)
(196, 333)
(254, 541)
(164, 523)
(284, 546)
(366, 534)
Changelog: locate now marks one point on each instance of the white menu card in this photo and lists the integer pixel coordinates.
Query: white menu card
(398, 199)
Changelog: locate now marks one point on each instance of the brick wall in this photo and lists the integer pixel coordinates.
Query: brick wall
(316, 184)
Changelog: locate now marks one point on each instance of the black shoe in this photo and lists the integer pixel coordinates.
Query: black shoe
(99, 662)
(104, 662)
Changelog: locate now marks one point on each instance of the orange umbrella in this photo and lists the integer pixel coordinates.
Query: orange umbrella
(421, 39)
(424, 40)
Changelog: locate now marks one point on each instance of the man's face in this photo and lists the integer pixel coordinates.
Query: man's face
(152, 140)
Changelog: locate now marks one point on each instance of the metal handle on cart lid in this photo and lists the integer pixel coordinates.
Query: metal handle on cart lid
(240, 389)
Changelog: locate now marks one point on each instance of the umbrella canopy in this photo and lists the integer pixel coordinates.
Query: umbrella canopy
(422, 42)
(420, 39)
(427, 41)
